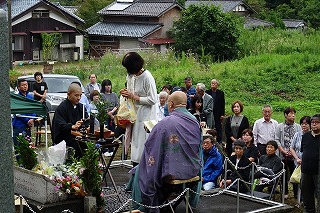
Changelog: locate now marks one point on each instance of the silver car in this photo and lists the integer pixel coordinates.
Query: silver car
(57, 87)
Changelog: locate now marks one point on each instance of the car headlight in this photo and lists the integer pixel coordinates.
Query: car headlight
(55, 99)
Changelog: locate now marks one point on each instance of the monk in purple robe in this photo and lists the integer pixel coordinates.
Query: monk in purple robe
(172, 151)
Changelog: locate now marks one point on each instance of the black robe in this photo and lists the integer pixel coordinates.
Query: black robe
(65, 116)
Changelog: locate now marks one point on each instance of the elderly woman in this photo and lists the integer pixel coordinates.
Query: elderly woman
(163, 97)
(270, 164)
(235, 124)
(239, 169)
(141, 88)
(305, 123)
(251, 151)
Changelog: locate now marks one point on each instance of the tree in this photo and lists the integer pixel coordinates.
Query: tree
(310, 13)
(206, 30)
(88, 10)
(49, 41)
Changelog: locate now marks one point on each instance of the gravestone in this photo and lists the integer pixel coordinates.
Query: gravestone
(6, 143)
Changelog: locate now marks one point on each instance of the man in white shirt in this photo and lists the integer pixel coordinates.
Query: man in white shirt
(264, 129)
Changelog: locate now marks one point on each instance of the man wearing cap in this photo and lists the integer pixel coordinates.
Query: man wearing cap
(310, 145)
(172, 151)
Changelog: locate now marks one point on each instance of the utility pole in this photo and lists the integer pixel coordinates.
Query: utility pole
(10, 34)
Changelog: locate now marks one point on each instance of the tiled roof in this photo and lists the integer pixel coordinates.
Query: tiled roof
(251, 22)
(226, 6)
(123, 29)
(293, 23)
(138, 8)
(19, 6)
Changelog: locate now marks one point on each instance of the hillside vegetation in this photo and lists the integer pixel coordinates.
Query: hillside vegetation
(278, 67)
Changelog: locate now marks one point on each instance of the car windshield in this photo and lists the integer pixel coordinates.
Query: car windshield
(59, 85)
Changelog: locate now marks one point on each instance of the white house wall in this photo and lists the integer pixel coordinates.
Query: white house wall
(128, 43)
(22, 19)
(79, 43)
(56, 16)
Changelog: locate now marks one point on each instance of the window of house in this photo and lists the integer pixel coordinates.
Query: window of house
(40, 14)
(17, 42)
(65, 39)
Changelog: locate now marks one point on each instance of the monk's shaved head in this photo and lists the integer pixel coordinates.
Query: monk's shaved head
(74, 87)
(74, 93)
(177, 99)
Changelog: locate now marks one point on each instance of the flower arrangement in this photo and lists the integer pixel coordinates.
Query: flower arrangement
(25, 152)
(69, 185)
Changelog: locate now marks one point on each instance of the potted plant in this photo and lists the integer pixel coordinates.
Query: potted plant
(49, 41)
(25, 152)
(91, 173)
(102, 116)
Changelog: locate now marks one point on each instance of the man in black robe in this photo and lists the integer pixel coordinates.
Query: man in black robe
(68, 118)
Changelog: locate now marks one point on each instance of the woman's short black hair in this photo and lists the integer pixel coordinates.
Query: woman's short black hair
(307, 119)
(273, 143)
(133, 62)
(106, 82)
(36, 74)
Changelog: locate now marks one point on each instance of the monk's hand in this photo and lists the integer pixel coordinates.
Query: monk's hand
(77, 125)
(30, 123)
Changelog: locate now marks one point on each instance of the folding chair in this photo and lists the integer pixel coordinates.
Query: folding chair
(179, 186)
(39, 130)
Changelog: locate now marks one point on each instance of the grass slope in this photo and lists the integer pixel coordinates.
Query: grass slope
(278, 67)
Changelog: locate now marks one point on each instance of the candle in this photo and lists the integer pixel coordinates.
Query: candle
(82, 112)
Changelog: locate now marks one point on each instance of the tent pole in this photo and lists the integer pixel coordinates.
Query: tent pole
(46, 132)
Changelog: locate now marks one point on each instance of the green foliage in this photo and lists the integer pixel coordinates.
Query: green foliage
(91, 175)
(49, 41)
(27, 157)
(88, 10)
(278, 67)
(310, 13)
(207, 31)
(273, 17)
(102, 106)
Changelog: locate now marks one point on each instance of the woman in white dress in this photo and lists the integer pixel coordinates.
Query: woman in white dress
(141, 88)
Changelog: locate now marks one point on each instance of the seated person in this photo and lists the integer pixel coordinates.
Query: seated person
(163, 97)
(239, 169)
(212, 159)
(269, 165)
(251, 151)
(68, 118)
(172, 151)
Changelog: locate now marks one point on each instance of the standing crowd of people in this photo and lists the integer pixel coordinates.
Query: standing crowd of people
(176, 148)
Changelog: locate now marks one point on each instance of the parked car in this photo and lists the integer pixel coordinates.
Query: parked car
(57, 87)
